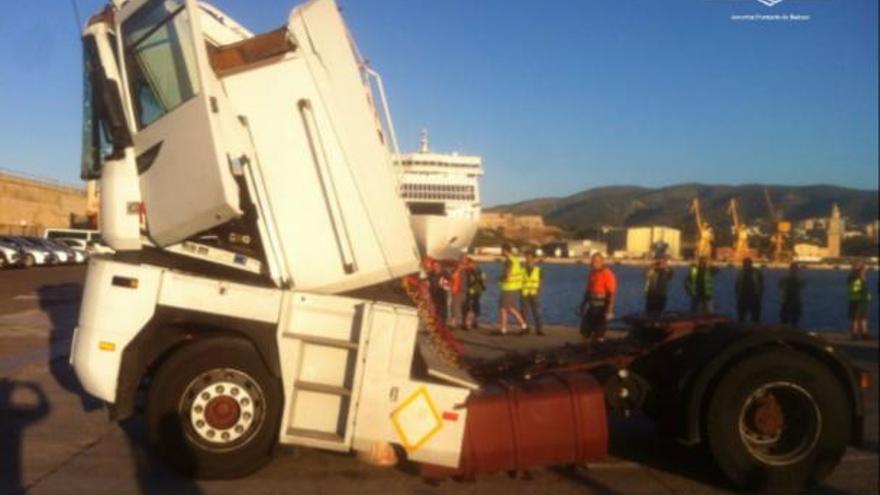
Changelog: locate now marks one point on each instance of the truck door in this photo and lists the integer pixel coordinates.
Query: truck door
(185, 180)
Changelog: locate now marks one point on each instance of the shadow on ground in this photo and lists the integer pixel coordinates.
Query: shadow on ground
(61, 305)
(22, 404)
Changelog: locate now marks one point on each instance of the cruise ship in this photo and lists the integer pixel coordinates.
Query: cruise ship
(442, 192)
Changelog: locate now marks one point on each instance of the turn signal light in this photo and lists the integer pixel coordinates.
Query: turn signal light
(127, 282)
(107, 346)
(864, 380)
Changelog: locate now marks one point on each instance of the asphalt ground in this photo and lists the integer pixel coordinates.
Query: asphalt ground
(54, 439)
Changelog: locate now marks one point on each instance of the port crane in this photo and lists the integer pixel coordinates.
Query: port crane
(250, 197)
(781, 229)
(740, 231)
(705, 236)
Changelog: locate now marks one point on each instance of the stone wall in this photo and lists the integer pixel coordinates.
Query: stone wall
(28, 206)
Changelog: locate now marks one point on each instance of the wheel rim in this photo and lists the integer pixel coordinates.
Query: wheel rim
(780, 423)
(222, 409)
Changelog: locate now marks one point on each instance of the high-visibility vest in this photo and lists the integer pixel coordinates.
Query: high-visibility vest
(476, 282)
(858, 290)
(531, 281)
(657, 280)
(692, 279)
(514, 278)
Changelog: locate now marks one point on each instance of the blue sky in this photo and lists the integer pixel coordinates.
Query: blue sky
(556, 96)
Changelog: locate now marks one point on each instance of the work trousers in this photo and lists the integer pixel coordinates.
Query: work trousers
(594, 322)
(748, 308)
(531, 304)
(655, 303)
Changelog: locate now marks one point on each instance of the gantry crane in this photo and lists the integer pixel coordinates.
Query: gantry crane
(705, 236)
(781, 229)
(740, 231)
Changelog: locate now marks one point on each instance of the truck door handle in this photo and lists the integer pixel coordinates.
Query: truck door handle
(393, 394)
(328, 186)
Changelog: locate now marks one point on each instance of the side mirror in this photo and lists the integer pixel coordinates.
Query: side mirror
(120, 137)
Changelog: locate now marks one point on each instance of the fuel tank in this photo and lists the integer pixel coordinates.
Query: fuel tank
(555, 419)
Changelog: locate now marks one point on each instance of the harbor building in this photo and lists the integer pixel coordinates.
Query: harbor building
(643, 241)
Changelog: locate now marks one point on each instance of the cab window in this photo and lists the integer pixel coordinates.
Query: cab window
(160, 59)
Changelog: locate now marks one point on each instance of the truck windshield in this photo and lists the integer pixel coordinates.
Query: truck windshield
(159, 59)
(95, 143)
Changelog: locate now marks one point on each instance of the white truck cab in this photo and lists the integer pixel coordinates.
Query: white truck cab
(246, 184)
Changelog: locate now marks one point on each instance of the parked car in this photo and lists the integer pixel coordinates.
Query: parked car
(10, 255)
(62, 252)
(84, 234)
(79, 247)
(89, 246)
(31, 254)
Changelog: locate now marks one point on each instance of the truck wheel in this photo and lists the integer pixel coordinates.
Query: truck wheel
(778, 422)
(28, 261)
(213, 410)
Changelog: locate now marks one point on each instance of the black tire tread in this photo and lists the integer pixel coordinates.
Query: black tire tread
(738, 381)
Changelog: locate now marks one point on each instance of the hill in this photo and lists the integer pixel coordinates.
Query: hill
(631, 206)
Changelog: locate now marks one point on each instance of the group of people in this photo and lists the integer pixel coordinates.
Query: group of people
(749, 291)
(458, 293)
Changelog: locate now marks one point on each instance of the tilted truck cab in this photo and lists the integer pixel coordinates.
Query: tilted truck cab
(248, 190)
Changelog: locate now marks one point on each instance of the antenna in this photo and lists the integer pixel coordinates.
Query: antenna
(424, 146)
(76, 16)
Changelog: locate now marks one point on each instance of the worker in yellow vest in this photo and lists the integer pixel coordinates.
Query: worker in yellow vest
(859, 299)
(511, 286)
(530, 298)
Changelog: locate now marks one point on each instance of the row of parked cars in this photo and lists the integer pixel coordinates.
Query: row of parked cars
(56, 247)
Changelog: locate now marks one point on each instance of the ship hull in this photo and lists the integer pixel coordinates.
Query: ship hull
(445, 237)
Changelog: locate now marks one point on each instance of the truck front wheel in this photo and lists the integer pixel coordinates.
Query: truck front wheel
(778, 422)
(213, 410)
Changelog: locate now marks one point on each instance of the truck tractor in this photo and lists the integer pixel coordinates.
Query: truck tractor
(249, 193)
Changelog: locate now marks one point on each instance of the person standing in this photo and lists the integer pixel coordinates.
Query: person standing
(597, 306)
(859, 298)
(458, 292)
(476, 285)
(530, 298)
(749, 292)
(510, 285)
(438, 286)
(657, 278)
(700, 286)
(790, 287)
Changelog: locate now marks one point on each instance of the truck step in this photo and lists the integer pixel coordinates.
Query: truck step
(330, 342)
(322, 388)
(323, 436)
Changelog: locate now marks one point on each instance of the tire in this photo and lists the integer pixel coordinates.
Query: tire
(758, 452)
(179, 430)
(28, 261)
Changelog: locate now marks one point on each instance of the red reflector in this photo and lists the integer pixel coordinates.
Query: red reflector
(450, 416)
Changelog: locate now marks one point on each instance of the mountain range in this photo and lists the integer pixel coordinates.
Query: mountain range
(632, 206)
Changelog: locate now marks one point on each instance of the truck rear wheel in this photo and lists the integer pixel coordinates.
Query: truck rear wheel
(778, 422)
(213, 410)
(28, 260)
